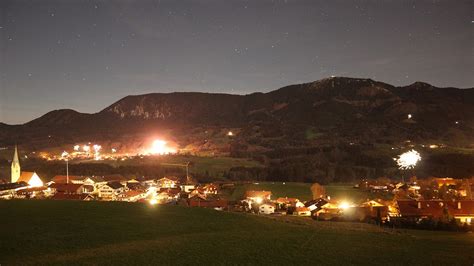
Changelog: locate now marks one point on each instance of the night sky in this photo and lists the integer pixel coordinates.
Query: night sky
(85, 55)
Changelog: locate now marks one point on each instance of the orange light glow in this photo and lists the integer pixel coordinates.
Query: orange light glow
(160, 147)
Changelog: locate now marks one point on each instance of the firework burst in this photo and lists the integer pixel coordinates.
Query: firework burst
(408, 160)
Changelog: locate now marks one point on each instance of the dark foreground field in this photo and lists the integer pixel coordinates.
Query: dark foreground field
(54, 232)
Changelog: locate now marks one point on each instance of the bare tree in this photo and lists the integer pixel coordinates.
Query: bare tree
(318, 191)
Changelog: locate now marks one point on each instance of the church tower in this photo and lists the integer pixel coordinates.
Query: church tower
(16, 171)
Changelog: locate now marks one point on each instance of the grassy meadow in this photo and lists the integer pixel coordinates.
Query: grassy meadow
(199, 164)
(302, 191)
(62, 232)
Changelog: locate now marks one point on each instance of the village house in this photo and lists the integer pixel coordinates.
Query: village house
(258, 196)
(8, 190)
(266, 208)
(369, 210)
(31, 178)
(131, 195)
(315, 204)
(98, 180)
(168, 182)
(302, 211)
(187, 188)
(32, 192)
(210, 189)
(111, 190)
(133, 180)
(166, 195)
(73, 179)
(71, 188)
(328, 211)
(136, 186)
(207, 202)
(284, 203)
(461, 210)
(446, 181)
(115, 178)
(147, 181)
(63, 196)
(197, 192)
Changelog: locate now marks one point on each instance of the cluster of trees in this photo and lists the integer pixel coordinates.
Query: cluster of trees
(48, 170)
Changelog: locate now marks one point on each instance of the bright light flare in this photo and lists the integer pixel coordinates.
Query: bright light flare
(97, 148)
(153, 201)
(76, 147)
(160, 147)
(86, 148)
(259, 200)
(230, 133)
(344, 205)
(408, 160)
(65, 154)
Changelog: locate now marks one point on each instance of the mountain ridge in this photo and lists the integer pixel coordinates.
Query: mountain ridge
(336, 109)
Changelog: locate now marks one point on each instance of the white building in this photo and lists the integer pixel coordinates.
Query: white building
(266, 208)
(111, 190)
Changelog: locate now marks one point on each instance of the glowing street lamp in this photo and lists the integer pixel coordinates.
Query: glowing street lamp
(344, 205)
(65, 156)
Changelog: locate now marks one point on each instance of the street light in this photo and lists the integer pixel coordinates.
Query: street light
(65, 155)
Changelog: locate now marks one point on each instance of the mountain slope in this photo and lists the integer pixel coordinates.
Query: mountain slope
(326, 111)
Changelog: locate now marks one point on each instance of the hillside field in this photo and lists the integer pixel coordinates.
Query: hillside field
(62, 232)
(302, 191)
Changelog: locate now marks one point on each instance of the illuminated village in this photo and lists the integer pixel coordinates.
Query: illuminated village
(412, 203)
(210, 132)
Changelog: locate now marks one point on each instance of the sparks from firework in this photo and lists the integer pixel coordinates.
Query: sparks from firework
(408, 160)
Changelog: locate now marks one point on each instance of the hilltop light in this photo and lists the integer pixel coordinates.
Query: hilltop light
(408, 160)
(409, 116)
(230, 134)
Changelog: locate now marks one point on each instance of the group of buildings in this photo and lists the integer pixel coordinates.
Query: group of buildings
(108, 188)
(380, 211)
(433, 199)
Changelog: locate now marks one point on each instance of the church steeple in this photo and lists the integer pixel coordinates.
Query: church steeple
(16, 170)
